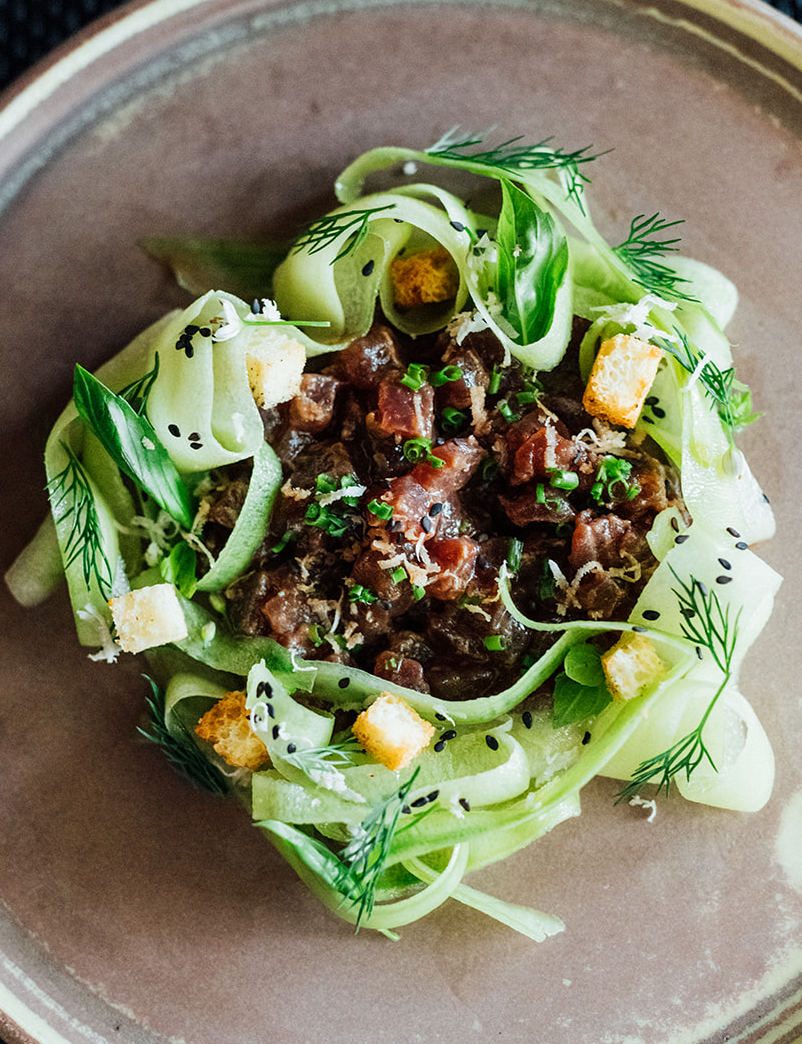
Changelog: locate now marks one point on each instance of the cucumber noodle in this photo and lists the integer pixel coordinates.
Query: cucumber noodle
(507, 775)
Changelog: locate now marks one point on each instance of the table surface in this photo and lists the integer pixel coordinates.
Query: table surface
(30, 29)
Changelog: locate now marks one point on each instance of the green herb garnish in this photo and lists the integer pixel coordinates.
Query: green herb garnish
(71, 496)
(706, 623)
(181, 753)
(643, 252)
(132, 443)
(326, 230)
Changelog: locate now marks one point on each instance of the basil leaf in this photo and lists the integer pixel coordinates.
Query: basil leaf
(133, 445)
(532, 261)
(179, 568)
(574, 702)
(583, 664)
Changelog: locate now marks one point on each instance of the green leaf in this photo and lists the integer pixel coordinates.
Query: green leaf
(179, 568)
(533, 257)
(133, 445)
(583, 664)
(574, 702)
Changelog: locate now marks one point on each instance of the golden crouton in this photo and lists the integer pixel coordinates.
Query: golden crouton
(227, 727)
(630, 665)
(275, 364)
(622, 375)
(427, 277)
(148, 617)
(392, 732)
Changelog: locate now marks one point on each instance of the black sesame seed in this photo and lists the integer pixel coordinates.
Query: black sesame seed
(271, 710)
(465, 804)
(420, 802)
(256, 306)
(449, 734)
(651, 614)
(724, 563)
(367, 269)
(640, 630)
(343, 683)
(439, 746)
(586, 739)
(674, 523)
(433, 796)
(406, 809)
(435, 509)
(699, 654)
(659, 412)
(742, 545)
(766, 499)
(291, 748)
(681, 538)
(174, 430)
(526, 718)
(395, 526)
(492, 742)
(649, 420)
(733, 532)
(652, 400)
(440, 717)
(264, 689)
(205, 332)
(724, 579)
(196, 445)
(426, 524)
(190, 330)
(688, 613)
(457, 226)
(194, 436)
(275, 732)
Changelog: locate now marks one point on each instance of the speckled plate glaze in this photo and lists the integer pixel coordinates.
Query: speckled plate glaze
(137, 910)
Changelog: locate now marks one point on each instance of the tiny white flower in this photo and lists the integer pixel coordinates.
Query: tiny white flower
(270, 310)
(231, 325)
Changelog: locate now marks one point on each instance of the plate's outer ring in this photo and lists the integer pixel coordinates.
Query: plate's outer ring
(85, 81)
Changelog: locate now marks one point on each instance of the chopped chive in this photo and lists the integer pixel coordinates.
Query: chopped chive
(398, 575)
(282, 543)
(563, 479)
(514, 556)
(380, 509)
(418, 592)
(453, 419)
(507, 412)
(448, 373)
(495, 642)
(495, 381)
(415, 377)
(359, 593)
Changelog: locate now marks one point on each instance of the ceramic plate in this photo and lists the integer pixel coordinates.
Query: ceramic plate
(137, 909)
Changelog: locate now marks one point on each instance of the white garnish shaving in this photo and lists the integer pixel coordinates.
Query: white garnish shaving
(639, 802)
(109, 649)
(637, 316)
(338, 494)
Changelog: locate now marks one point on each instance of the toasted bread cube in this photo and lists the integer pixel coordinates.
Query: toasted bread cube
(148, 617)
(622, 374)
(275, 364)
(227, 727)
(631, 665)
(392, 732)
(427, 277)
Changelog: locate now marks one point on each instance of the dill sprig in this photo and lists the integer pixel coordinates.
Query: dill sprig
(718, 384)
(364, 857)
(182, 754)
(643, 251)
(71, 491)
(316, 760)
(707, 624)
(137, 392)
(514, 158)
(324, 231)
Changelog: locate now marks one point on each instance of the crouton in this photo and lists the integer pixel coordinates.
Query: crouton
(630, 665)
(427, 277)
(227, 727)
(392, 732)
(275, 364)
(148, 617)
(622, 374)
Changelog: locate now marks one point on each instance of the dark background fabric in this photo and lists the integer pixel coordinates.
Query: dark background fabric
(29, 29)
